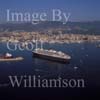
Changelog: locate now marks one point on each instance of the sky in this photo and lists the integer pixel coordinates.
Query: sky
(81, 10)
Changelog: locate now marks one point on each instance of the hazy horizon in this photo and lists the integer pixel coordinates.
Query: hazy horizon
(81, 10)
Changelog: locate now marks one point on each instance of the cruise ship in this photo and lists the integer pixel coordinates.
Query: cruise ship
(52, 55)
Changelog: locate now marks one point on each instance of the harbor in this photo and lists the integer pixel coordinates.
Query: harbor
(84, 63)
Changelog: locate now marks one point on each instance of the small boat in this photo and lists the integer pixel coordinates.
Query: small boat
(9, 57)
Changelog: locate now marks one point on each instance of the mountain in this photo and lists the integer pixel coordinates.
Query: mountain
(69, 27)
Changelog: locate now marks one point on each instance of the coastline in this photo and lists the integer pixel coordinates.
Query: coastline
(62, 38)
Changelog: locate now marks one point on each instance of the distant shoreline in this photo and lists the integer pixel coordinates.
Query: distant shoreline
(17, 37)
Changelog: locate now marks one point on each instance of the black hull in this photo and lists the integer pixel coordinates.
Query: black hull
(46, 57)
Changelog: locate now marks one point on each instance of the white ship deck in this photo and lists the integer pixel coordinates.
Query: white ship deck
(52, 53)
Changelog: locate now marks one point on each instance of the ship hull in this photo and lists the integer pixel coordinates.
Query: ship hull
(51, 58)
(11, 59)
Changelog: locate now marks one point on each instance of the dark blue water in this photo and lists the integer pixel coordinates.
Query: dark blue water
(85, 63)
